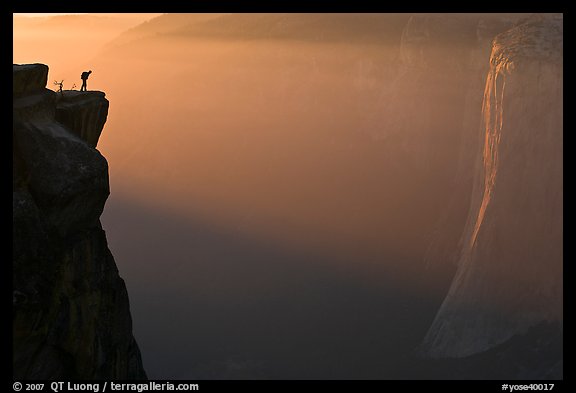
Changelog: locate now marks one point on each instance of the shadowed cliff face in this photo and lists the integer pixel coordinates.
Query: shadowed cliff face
(509, 278)
(71, 316)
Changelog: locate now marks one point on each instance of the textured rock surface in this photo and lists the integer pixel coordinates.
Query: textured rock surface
(71, 316)
(444, 60)
(509, 277)
(433, 113)
(83, 113)
(28, 78)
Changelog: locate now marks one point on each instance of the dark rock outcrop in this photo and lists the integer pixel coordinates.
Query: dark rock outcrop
(29, 78)
(71, 316)
(509, 277)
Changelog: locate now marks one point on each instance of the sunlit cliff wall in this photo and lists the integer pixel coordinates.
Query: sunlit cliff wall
(509, 276)
(432, 116)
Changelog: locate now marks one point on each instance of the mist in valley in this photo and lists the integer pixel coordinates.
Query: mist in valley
(271, 213)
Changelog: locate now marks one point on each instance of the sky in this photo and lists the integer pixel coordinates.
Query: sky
(47, 14)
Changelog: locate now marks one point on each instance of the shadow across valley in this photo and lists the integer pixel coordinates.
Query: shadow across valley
(215, 303)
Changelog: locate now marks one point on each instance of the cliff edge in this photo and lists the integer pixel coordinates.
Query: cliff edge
(71, 315)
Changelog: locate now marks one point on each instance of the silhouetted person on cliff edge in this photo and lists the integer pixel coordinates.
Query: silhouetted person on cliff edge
(84, 77)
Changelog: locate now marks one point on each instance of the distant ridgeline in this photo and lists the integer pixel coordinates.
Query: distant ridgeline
(71, 316)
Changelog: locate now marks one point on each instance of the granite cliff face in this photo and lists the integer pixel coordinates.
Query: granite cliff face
(71, 316)
(509, 278)
(444, 60)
